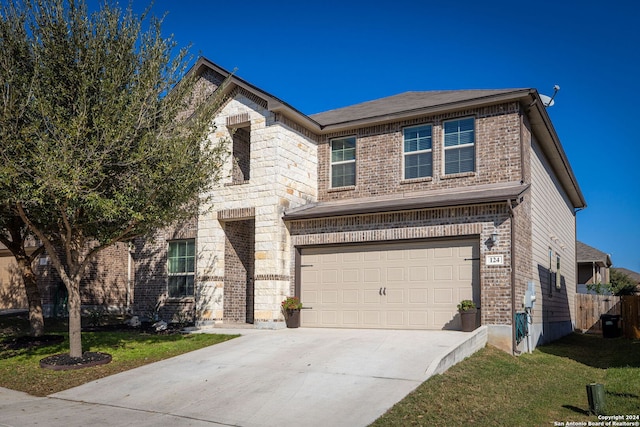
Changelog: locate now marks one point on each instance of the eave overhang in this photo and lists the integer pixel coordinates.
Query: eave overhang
(410, 201)
(550, 144)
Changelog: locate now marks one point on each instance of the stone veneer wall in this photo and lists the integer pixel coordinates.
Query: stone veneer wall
(283, 174)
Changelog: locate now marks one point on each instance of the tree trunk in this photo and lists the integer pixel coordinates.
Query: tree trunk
(36, 319)
(75, 319)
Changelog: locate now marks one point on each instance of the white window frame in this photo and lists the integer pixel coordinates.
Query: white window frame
(458, 147)
(187, 274)
(551, 273)
(406, 153)
(342, 162)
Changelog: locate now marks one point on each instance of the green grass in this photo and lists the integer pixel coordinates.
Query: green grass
(20, 369)
(494, 388)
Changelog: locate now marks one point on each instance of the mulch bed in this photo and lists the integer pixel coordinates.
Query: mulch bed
(64, 362)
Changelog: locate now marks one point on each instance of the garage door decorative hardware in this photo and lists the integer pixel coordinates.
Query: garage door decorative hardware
(382, 291)
(472, 259)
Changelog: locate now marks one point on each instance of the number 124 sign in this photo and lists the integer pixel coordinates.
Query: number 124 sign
(495, 260)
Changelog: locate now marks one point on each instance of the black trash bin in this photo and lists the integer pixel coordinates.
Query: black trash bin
(610, 327)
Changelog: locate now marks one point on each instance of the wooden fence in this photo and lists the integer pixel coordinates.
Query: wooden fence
(590, 307)
(631, 316)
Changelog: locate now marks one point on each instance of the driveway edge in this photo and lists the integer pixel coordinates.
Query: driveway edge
(476, 340)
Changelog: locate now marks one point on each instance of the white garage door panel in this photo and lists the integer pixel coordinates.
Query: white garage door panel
(400, 285)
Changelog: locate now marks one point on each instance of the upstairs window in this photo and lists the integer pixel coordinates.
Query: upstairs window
(343, 162)
(240, 172)
(418, 156)
(181, 268)
(459, 146)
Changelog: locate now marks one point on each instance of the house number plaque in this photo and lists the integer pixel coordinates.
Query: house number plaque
(495, 260)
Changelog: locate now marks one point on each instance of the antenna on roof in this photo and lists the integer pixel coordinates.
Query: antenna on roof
(548, 101)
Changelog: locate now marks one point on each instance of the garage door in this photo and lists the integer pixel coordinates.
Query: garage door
(413, 285)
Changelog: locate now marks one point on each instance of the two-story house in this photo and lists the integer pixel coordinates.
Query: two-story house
(384, 214)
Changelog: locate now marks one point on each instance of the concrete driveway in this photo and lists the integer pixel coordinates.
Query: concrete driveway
(308, 377)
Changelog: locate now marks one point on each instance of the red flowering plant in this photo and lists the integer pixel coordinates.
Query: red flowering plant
(291, 303)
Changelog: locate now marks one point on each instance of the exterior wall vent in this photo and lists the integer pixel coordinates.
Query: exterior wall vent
(238, 120)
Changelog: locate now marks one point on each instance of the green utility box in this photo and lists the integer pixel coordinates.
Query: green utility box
(595, 395)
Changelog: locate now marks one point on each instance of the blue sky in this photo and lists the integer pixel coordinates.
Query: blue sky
(318, 56)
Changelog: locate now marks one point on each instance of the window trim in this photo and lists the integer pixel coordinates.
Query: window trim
(558, 273)
(551, 273)
(343, 162)
(445, 148)
(405, 154)
(181, 274)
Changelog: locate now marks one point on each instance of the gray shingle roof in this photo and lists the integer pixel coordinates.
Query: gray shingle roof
(586, 253)
(403, 102)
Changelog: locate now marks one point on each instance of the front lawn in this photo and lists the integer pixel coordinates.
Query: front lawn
(20, 369)
(494, 388)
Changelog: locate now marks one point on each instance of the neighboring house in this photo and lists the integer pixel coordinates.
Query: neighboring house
(12, 293)
(593, 266)
(384, 214)
(105, 285)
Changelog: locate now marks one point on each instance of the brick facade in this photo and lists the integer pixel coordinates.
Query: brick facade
(103, 287)
(239, 271)
(379, 155)
(478, 222)
(151, 278)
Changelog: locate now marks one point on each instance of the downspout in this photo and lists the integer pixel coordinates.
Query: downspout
(513, 279)
(512, 215)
